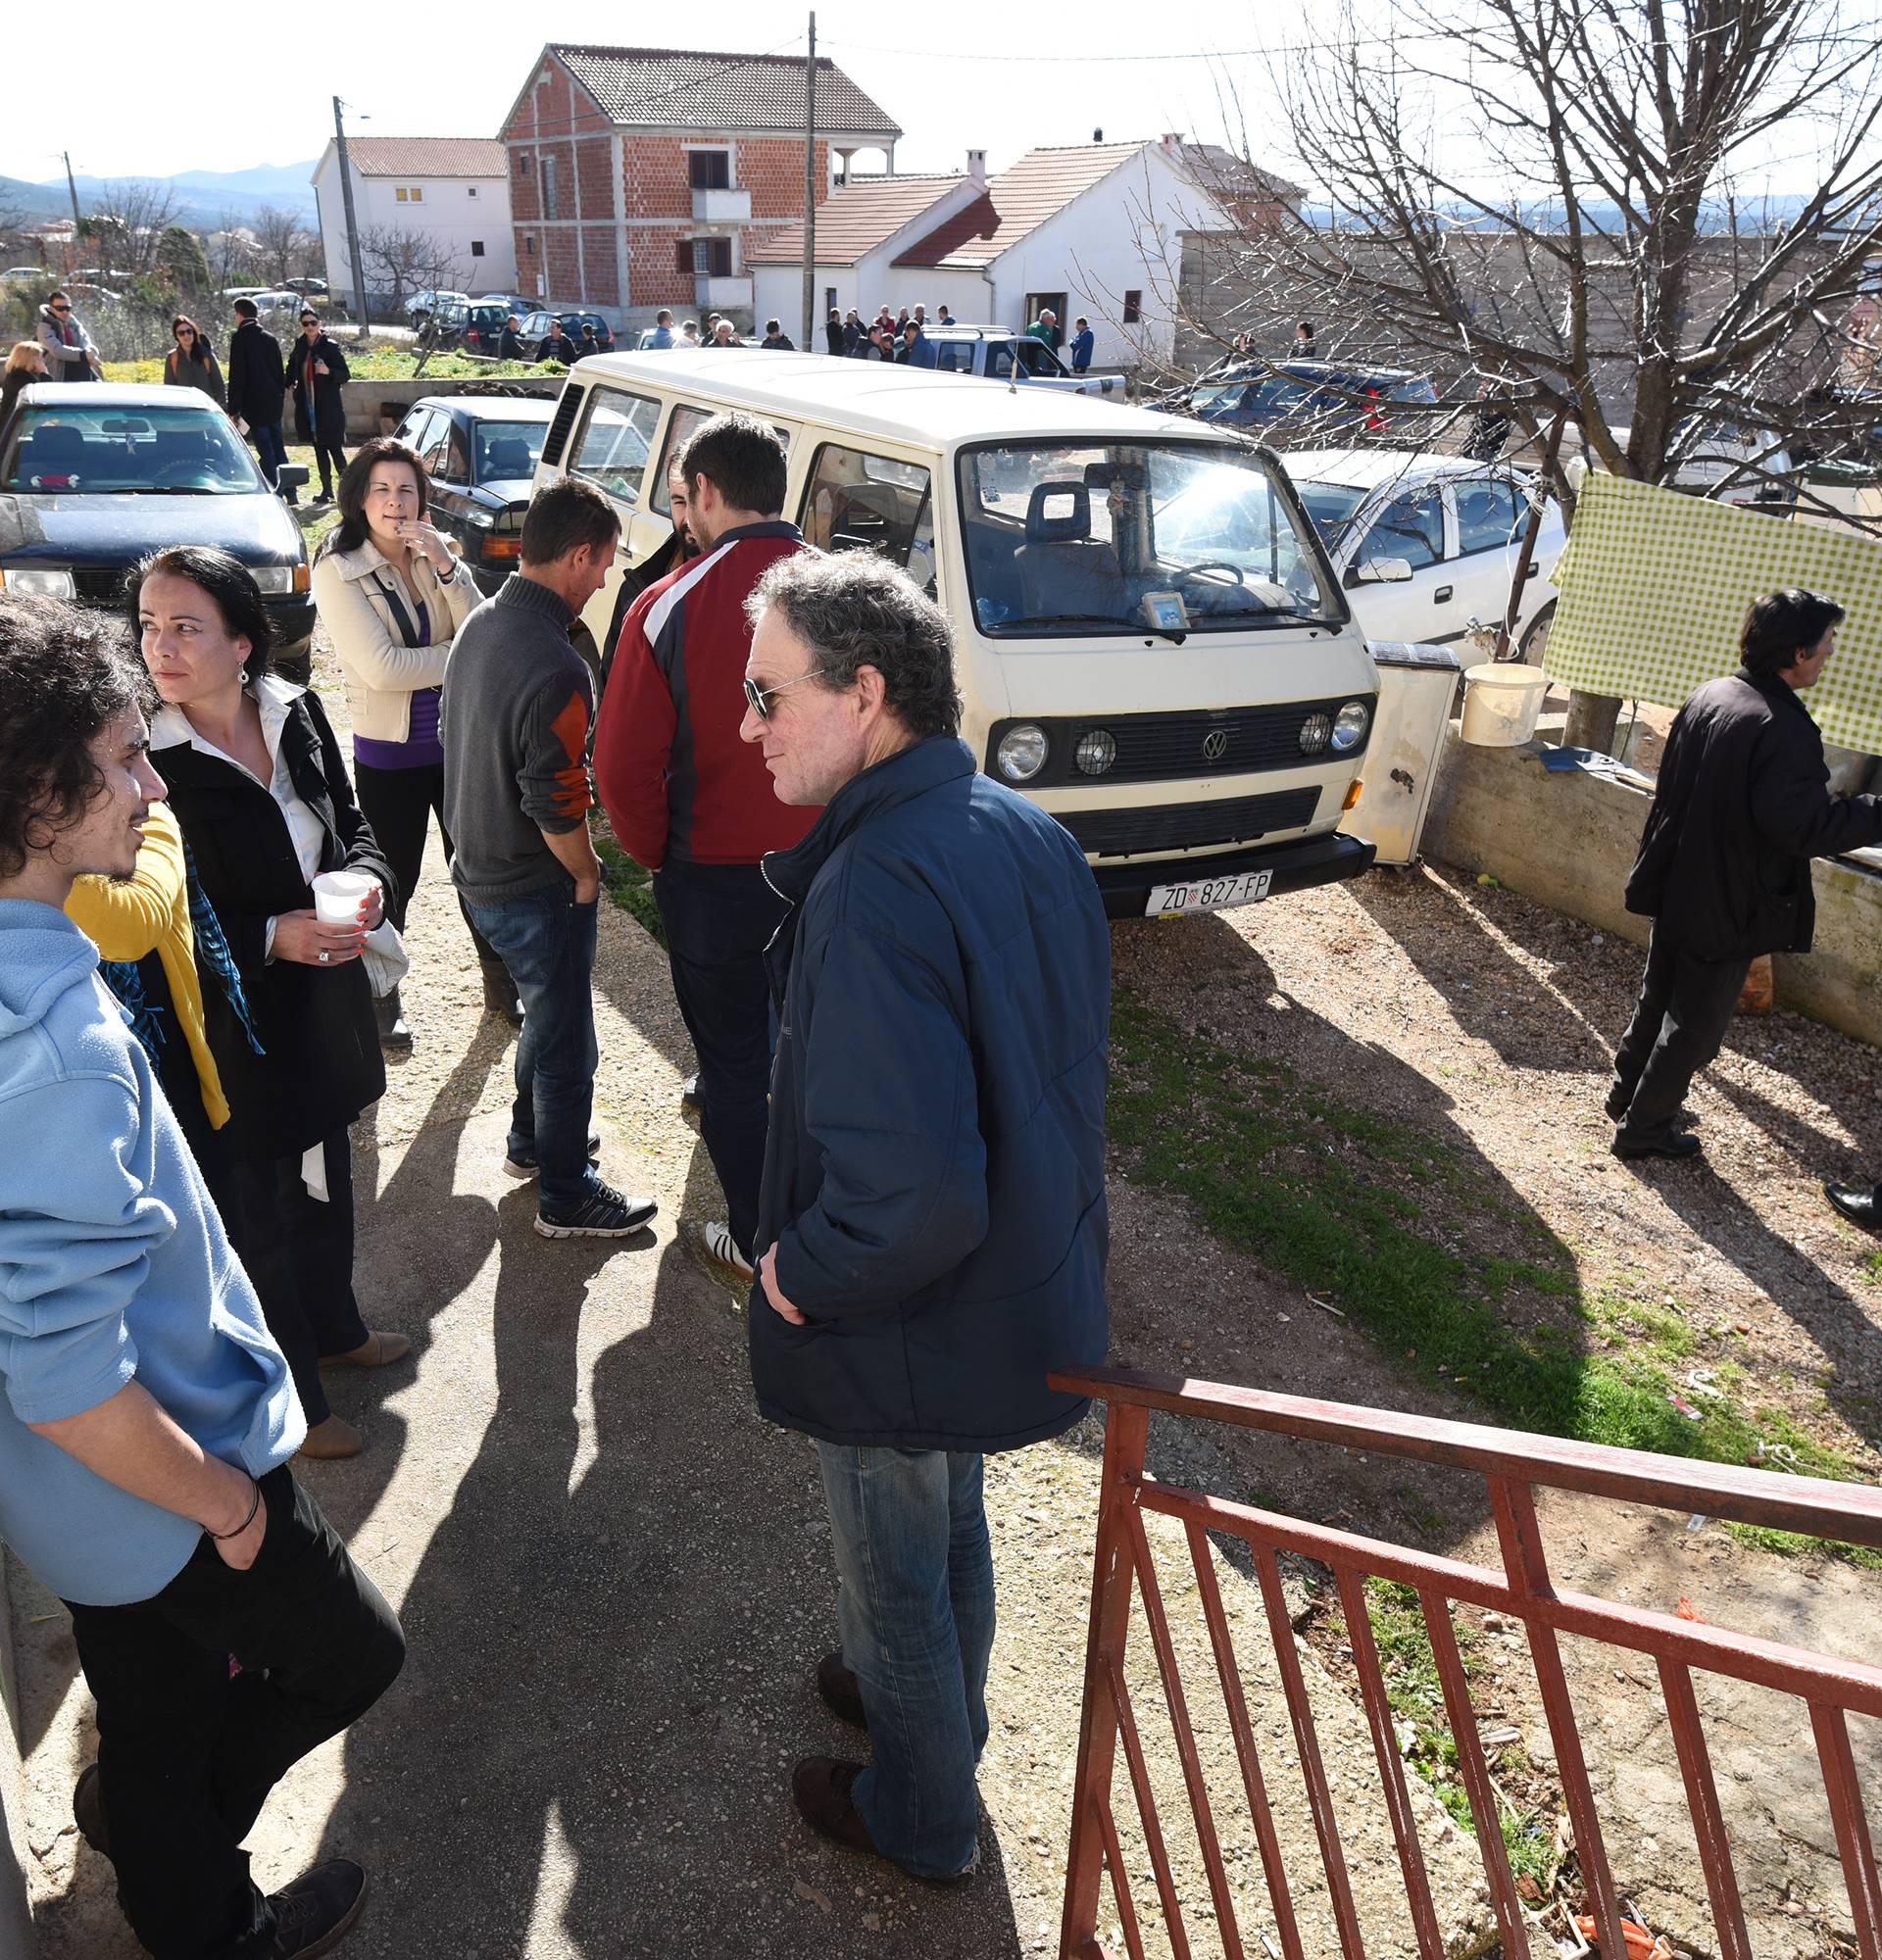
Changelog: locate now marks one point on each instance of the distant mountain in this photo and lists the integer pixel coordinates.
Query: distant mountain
(202, 196)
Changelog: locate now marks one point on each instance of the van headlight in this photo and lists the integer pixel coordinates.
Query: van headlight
(38, 583)
(1021, 753)
(1349, 724)
(1097, 750)
(272, 580)
(1316, 731)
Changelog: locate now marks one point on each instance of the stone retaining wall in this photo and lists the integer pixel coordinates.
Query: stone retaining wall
(1568, 842)
(366, 399)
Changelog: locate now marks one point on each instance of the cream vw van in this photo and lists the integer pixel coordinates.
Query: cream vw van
(1148, 639)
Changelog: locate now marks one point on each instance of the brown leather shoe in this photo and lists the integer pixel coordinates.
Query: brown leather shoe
(376, 1350)
(842, 1696)
(335, 1436)
(822, 1787)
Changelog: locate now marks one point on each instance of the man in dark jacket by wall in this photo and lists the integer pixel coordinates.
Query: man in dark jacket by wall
(509, 345)
(258, 389)
(1742, 806)
(932, 1227)
(557, 346)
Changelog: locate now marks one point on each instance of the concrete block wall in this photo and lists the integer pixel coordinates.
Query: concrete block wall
(363, 400)
(1569, 841)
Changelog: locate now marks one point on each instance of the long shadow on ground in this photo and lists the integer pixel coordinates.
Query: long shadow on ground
(588, 1754)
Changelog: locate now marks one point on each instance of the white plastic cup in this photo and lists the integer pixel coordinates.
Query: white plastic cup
(340, 896)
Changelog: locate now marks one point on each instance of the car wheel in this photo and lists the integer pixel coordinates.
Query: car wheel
(1534, 643)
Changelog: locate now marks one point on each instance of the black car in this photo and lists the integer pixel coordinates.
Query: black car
(480, 454)
(474, 327)
(539, 326)
(1325, 401)
(95, 475)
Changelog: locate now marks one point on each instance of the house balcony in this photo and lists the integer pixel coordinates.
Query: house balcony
(721, 207)
(722, 292)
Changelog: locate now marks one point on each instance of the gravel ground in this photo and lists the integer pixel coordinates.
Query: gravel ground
(616, 1578)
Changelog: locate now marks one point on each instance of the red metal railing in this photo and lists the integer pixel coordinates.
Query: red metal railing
(1511, 1464)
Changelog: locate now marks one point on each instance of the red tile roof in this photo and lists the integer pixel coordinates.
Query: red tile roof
(677, 88)
(855, 218)
(1018, 201)
(427, 156)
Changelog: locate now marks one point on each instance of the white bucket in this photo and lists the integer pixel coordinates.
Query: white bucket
(1501, 704)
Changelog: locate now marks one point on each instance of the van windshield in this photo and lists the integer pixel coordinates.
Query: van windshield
(1074, 538)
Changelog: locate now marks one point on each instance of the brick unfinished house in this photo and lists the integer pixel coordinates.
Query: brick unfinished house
(643, 178)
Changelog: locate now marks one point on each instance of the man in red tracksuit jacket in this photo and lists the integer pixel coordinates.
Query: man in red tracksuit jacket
(695, 805)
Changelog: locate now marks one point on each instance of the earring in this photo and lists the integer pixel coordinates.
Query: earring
(244, 677)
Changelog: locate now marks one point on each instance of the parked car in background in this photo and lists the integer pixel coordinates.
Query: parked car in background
(992, 350)
(536, 327)
(312, 290)
(93, 477)
(481, 452)
(25, 272)
(83, 295)
(420, 306)
(1304, 399)
(472, 325)
(1735, 465)
(1423, 544)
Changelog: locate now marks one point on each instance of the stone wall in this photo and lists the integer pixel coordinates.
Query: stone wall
(1568, 842)
(366, 399)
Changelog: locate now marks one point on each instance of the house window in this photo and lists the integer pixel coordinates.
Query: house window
(477, 248)
(528, 244)
(549, 187)
(709, 170)
(522, 163)
(473, 190)
(399, 193)
(1133, 306)
(704, 258)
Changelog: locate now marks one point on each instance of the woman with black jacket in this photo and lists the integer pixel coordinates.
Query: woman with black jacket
(258, 786)
(189, 364)
(315, 367)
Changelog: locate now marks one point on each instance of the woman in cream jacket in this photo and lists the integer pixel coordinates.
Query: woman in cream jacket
(392, 596)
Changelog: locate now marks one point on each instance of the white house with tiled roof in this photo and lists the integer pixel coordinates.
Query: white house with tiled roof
(645, 177)
(453, 192)
(1092, 228)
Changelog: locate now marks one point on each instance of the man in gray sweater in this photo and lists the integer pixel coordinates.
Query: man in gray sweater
(514, 719)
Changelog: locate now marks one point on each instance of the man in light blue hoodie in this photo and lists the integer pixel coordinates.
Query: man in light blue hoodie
(147, 1415)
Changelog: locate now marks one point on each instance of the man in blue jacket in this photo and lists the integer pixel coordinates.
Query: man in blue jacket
(932, 1226)
(146, 1415)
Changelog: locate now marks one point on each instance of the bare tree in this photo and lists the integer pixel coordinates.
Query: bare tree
(398, 264)
(284, 243)
(1549, 198)
(126, 224)
(233, 253)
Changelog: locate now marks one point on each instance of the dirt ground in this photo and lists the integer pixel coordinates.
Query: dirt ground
(614, 1578)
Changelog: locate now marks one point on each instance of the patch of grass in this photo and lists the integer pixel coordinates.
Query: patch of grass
(377, 364)
(626, 884)
(1870, 1267)
(1264, 1161)
(1793, 1544)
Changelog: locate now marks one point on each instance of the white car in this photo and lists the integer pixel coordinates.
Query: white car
(420, 306)
(1423, 544)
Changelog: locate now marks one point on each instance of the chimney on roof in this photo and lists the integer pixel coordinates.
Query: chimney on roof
(977, 166)
(1172, 139)
(1097, 135)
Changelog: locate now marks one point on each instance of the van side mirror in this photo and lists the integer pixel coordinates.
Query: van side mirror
(291, 475)
(1380, 571)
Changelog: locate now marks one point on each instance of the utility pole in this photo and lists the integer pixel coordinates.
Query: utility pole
(77, 223)
(809, 194)
(352, 224)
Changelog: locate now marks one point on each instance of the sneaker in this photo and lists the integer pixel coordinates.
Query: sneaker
(601, 1212)
(317, 1912)
(841, 1692)
(521, 1164)
(89, 1811)
(1676, 1144)
(689, 1101)
(822, 1787)
(717, 1251)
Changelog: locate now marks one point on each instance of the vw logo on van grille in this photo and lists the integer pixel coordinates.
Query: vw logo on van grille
(1215, 745)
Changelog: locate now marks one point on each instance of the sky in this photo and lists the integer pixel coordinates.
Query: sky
(1004, 78)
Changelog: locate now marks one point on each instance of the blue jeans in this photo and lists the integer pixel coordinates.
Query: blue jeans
(915, 1612)
(547, 944)
(271, 448)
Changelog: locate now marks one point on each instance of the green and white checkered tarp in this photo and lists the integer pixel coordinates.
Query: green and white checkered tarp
(1654, 585)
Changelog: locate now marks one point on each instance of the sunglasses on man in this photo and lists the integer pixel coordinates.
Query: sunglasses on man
(757, 697)
(58, 308)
